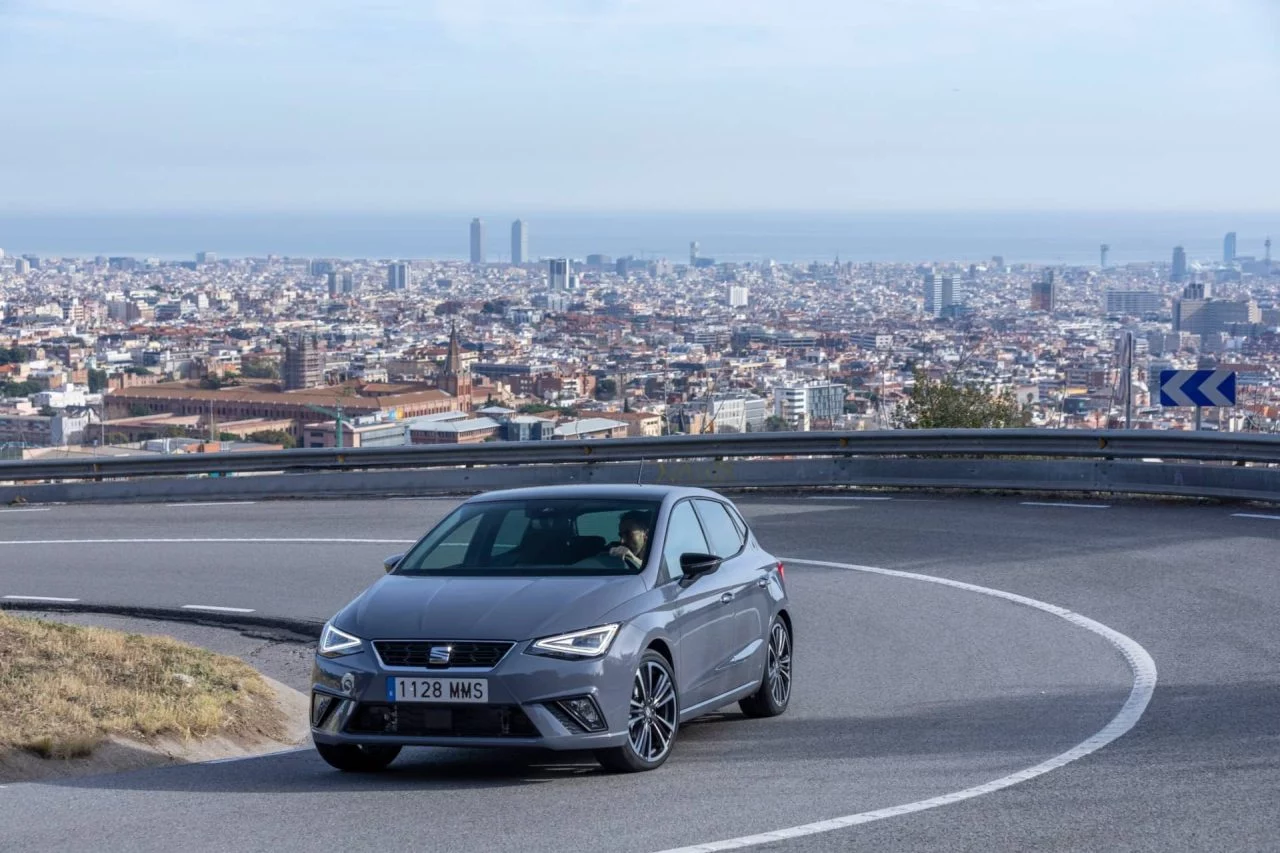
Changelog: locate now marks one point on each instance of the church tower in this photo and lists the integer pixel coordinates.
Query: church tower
(456, 379)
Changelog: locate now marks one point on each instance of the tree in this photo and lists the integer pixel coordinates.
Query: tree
(97, 381)
(19, 389)
(14, 355)
(774, 423)
(137, 410)
(606, 389)
(274, 436)
(947, 403)
(260, 370)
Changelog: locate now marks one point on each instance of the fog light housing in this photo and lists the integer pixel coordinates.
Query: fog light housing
(321, 704)
(585, 712)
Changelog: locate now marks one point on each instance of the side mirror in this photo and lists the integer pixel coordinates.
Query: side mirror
(391, 562)
(695, 565)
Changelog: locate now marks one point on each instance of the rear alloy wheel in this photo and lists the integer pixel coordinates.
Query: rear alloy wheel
(775, 689)
(358, 758)
(652, 720)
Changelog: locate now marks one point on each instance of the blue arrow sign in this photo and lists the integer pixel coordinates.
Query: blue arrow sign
(1197, 387)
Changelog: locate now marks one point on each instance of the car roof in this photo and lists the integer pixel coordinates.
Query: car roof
(629, 491)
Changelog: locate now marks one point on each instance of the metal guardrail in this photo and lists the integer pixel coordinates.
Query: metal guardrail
(1005, 443)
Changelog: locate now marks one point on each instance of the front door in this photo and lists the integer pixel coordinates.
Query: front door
(704, 614)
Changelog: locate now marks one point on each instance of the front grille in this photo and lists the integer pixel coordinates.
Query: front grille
(417, 653)
(412, 719)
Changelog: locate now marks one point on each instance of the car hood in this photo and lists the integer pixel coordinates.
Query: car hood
(486, 608)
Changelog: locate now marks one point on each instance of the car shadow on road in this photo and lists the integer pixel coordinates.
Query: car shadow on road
(1007, 727)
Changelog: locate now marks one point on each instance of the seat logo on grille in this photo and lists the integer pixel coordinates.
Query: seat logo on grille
(440, 655)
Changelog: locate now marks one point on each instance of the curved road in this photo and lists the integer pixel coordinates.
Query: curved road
(906, 690)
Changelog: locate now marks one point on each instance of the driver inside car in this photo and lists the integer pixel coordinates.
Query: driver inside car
(633, 535)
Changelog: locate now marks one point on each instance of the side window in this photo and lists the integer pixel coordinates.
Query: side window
(725, 538)
(684, 536)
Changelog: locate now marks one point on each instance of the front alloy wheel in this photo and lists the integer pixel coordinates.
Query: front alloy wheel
(775, 688)
(652, 721)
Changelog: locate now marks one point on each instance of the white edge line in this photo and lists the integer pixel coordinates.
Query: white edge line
(216, 609)
(847, 498)
(184, 541)
(28, 509)
(48, 598)
(1069, 506)
(215, 503)
(1144, 683)
(1255, 515)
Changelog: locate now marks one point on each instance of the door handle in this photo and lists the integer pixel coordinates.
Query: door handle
(762, 583)
(726, 598)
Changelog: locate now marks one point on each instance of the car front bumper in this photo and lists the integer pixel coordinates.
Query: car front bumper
(521, 708)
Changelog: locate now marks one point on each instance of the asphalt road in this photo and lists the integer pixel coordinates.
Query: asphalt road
(905, 690)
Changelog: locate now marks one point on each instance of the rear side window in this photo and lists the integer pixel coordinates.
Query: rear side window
(726, 539)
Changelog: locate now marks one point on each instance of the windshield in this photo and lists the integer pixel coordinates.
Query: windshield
(595, 536)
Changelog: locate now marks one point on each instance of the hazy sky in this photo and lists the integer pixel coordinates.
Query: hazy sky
(459, 105)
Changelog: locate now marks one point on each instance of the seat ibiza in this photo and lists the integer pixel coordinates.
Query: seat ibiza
(569, 618)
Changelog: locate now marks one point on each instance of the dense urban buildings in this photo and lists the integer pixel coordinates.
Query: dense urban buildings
(124, 354)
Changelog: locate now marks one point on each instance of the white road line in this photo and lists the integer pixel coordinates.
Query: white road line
(28, 509)
(48, 598)
(847, 498)
(1255, 515)
(217, 609)
(236, 758)
(1067, 505)
(198, 540)
(216, 503)
(1144, 683)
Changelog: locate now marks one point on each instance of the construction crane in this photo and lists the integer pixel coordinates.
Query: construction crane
(338, 417)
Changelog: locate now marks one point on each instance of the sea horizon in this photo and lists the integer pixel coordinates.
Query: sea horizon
(1069, 238)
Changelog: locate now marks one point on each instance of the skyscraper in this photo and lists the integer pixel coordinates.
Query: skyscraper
(939, 294)
(1043, 294)
(519, 242)
(1105, 248)
(1229, 248)
(1179, 264)
(558, 274)
(693, 253)
(398, 276)
(477, 241)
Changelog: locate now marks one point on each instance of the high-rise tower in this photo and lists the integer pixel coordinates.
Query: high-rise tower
(1043, 296)
(477, 241)
(1105, 248)
(1229, 248)
(398, 276)
(519, 242)
(1179, 264)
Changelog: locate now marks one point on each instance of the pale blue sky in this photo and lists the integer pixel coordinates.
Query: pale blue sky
(458, 105)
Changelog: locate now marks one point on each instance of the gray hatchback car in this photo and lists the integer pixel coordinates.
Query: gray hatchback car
(570, 618)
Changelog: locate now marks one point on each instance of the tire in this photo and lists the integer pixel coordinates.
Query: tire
(653, 720)
(774, 694)
(358, 758)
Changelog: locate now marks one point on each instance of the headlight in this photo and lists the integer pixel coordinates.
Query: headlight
(335, 643)
(590, 643)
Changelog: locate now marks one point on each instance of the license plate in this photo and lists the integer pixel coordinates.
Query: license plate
(475, 690)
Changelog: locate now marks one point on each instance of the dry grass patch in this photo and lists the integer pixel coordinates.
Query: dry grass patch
(64, 689)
